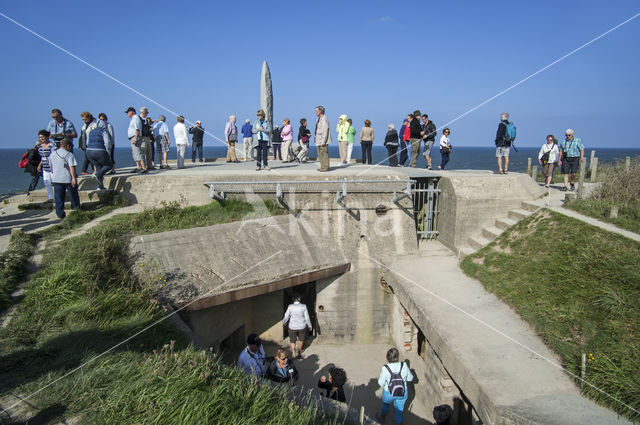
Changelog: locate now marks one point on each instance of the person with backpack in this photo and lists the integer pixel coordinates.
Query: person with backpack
(44, 167)
(505, 136)
(304, 136)
(393, 381)
(547, 157)
(30, 161)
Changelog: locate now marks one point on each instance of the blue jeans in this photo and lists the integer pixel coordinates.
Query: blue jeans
(404, 153)
(60, 190)
(398, 404)
(101, 161)
(263, 152)
(277, 152)
(445, 159)
(196, 148)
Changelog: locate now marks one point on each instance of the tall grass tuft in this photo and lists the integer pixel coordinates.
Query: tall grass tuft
(13, 262)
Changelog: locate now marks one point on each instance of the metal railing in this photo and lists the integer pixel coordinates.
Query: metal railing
(425, 207)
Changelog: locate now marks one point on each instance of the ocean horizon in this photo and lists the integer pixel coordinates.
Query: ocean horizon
(14, 180)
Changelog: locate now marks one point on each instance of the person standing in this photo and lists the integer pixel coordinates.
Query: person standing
(322, 138)
(404, 140)
(261, 129)
(33, 161)
(393, 381)
(282, 369)
(391, 143)
(134, 133)
(304, 136)
(343, 137)
(161, 134)
(82, 144)
(276, 142)
(97, 139)
(147, 138)
(287, 138)
(252, 359)
(571, 153)
(366, 141)
(45, 150)
(297, 319)
(429, 136)
(63, 168)
(231, 137)
(247, 140)
(547, 157)
(445, 148)
(415, 134)
(197, 134)
(181, 136)
(112, 141)
(59, 127)
(350, 135)
(334, 384)
(503, 144)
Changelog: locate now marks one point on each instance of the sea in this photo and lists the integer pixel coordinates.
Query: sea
(14, 180)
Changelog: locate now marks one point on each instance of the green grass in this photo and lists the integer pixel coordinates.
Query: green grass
(579, 287)
(13, 262)
(628, 215)
(84, 300)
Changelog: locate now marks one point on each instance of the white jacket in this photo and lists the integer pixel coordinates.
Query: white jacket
(180, 134)
(298, 316)
(552, 148)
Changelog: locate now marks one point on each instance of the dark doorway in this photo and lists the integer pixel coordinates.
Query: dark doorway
(231, 346)
(308, 293)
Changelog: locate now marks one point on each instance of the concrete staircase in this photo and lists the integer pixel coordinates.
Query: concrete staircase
(489, 233)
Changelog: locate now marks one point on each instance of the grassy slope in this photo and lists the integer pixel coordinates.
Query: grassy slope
(628, 216)
(579, 286)
(83, 301)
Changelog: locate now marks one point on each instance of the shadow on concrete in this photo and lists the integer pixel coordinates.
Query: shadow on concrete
(43, 417)
(28, 220)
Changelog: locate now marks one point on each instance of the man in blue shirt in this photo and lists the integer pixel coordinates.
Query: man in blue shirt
(571, 153)
(60, 127)
(247, 140)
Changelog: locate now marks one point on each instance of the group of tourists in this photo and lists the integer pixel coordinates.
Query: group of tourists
(281, 368)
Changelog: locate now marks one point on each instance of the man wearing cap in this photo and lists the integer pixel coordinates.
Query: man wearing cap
(61, 128)
(415, 136)
(161, 134)
(247, 140)
(197, 134)
(134, 132)
(571, 153)
(322, 138)
(252, 359)
(429, 136)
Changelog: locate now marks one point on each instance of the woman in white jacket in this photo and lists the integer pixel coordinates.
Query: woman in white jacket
(547, 157)
(181, 136)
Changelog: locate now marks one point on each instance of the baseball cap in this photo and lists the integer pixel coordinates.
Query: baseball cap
(253, 339)
(198, 122)
(130, 109)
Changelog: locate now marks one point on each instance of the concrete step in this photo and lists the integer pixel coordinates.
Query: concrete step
(478, 242)
(505, 223)
(519, 214)
(491, 232)
(465, 250)
(85, 195)
(530, 206)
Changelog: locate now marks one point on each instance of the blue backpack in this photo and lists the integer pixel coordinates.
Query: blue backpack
(510, 133)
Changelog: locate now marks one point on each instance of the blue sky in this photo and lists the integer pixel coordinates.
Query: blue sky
(375, 59)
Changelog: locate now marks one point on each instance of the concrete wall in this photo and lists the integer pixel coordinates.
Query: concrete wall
(470, 201)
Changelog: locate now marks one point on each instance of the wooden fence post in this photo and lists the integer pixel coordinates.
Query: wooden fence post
(529, 166)
(593, 155)
(583, 168)
(594, 169)
(628, 164)
(534, 173)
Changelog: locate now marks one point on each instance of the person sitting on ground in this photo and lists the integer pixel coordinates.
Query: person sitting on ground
(334, 384)
(442, 414)
(33, 158)
(393, 381)
(63, 168)
(391, 142)
(282, 369)
(297, 318)
(571, 153)
(548, 156)
(252, 359)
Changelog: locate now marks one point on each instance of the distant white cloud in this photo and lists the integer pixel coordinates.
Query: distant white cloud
(385, 19)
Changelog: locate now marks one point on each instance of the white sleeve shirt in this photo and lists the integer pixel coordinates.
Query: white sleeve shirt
(298, 316)
(385, 376)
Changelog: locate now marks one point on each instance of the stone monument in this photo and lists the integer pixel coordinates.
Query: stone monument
(266, 93)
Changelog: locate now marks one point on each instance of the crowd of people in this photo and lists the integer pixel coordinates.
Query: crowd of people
(393, 377)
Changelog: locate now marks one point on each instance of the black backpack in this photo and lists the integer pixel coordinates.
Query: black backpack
(396, 383)
(146, 128)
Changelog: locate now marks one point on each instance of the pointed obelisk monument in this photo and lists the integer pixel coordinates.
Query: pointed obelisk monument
(266, 93)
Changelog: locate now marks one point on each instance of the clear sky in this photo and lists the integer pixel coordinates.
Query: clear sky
(368, 59)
